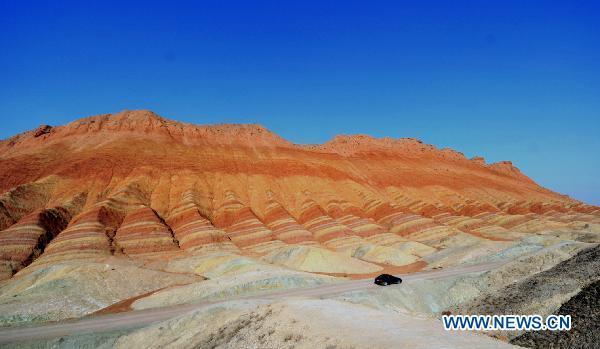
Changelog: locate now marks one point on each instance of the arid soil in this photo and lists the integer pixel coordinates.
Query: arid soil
(544, 292)
(584, 309)
(131, 210)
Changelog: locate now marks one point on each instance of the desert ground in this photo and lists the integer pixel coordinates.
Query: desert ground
(130, 230)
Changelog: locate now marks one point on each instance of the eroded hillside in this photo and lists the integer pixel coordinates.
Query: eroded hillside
(133, 211)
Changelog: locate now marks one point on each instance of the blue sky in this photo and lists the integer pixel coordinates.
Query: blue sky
(508, 80)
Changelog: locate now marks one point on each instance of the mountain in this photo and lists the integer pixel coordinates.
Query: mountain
(136, 184)
(249, 238)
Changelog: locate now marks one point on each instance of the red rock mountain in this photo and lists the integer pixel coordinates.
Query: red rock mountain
(135, 183)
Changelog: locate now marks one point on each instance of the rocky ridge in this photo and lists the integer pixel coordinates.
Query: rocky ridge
(133, 211)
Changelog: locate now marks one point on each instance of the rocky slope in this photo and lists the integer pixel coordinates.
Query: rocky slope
(136, 184)
(138, 211)
(584, 310)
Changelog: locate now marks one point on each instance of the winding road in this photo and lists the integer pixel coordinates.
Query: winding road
(138, 318)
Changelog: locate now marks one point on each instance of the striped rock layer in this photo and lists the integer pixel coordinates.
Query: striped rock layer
(149, 187)
(142, 231)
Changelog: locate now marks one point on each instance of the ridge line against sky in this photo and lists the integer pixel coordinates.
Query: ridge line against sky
(505, 80)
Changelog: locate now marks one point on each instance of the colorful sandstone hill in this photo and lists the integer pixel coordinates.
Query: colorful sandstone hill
(138, 186)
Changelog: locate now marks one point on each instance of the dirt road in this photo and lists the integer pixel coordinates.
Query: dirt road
(109, 322)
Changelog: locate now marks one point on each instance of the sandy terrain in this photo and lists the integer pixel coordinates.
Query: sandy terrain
(124, 219)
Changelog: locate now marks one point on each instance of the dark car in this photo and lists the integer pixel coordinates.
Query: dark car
(387, 279)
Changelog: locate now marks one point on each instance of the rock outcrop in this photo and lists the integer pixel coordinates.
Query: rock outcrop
(149, 187)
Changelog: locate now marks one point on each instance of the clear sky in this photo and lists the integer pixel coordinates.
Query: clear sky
(508, 80)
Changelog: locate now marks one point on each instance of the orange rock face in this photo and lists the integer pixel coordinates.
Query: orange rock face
(194, 231)
(284, 226)
(142, 231)
(23, 242)
(152, 185)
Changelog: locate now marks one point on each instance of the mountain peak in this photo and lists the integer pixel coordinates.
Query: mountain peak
(142, 123)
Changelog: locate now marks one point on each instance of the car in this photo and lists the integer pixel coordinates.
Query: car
(387, 279)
